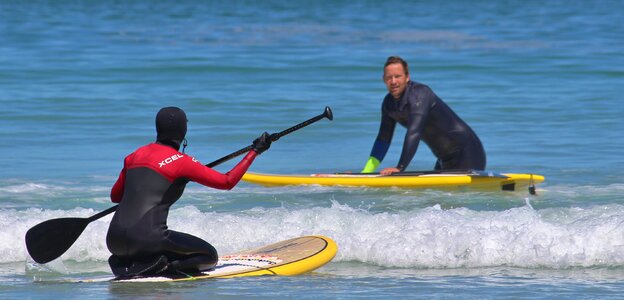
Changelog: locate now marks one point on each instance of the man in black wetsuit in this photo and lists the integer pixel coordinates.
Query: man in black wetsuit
(153, 178)
(416, 107)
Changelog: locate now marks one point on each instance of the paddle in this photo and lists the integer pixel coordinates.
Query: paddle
(48, 240)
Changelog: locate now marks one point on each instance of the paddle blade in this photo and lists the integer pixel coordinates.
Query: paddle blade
(48, 240)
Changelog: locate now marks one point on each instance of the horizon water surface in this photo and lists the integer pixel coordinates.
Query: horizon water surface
(81, 82)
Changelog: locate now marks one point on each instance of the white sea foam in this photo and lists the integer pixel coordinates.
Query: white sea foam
(29, 187)
(423, 238)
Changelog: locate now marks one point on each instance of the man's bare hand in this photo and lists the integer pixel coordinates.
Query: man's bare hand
(389, 171)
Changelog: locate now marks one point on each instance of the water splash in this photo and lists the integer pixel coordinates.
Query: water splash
(430, 237)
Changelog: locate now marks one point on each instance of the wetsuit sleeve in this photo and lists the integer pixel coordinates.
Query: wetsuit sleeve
(382, 142)
(419, 111)
(204, 175)
(118, 188)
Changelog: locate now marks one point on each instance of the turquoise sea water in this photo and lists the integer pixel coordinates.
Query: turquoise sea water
(80, 83)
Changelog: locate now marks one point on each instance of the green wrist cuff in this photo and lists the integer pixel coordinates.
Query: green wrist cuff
(371, 165)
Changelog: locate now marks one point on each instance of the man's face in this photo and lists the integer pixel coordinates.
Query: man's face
(395, 79)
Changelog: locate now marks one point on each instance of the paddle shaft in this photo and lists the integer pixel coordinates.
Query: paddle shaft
(275, 136)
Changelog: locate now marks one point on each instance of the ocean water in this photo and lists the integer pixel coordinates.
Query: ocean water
(81, 82)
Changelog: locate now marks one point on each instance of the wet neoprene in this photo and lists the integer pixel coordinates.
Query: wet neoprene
(429, 119)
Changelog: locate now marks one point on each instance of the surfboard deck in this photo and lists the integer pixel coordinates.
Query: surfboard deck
(286, 258)
(463, 179)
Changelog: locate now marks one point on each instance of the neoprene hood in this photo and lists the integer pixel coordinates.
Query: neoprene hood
(171, 126)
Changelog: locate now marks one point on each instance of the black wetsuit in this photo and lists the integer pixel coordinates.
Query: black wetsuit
(429, 119)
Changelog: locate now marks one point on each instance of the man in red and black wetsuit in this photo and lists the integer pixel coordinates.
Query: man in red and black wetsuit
(152, 179)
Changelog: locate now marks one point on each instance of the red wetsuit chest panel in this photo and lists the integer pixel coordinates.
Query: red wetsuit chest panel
(172, 164)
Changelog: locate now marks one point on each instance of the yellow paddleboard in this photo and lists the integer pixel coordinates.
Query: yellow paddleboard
(290, 257)
(479, 180)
